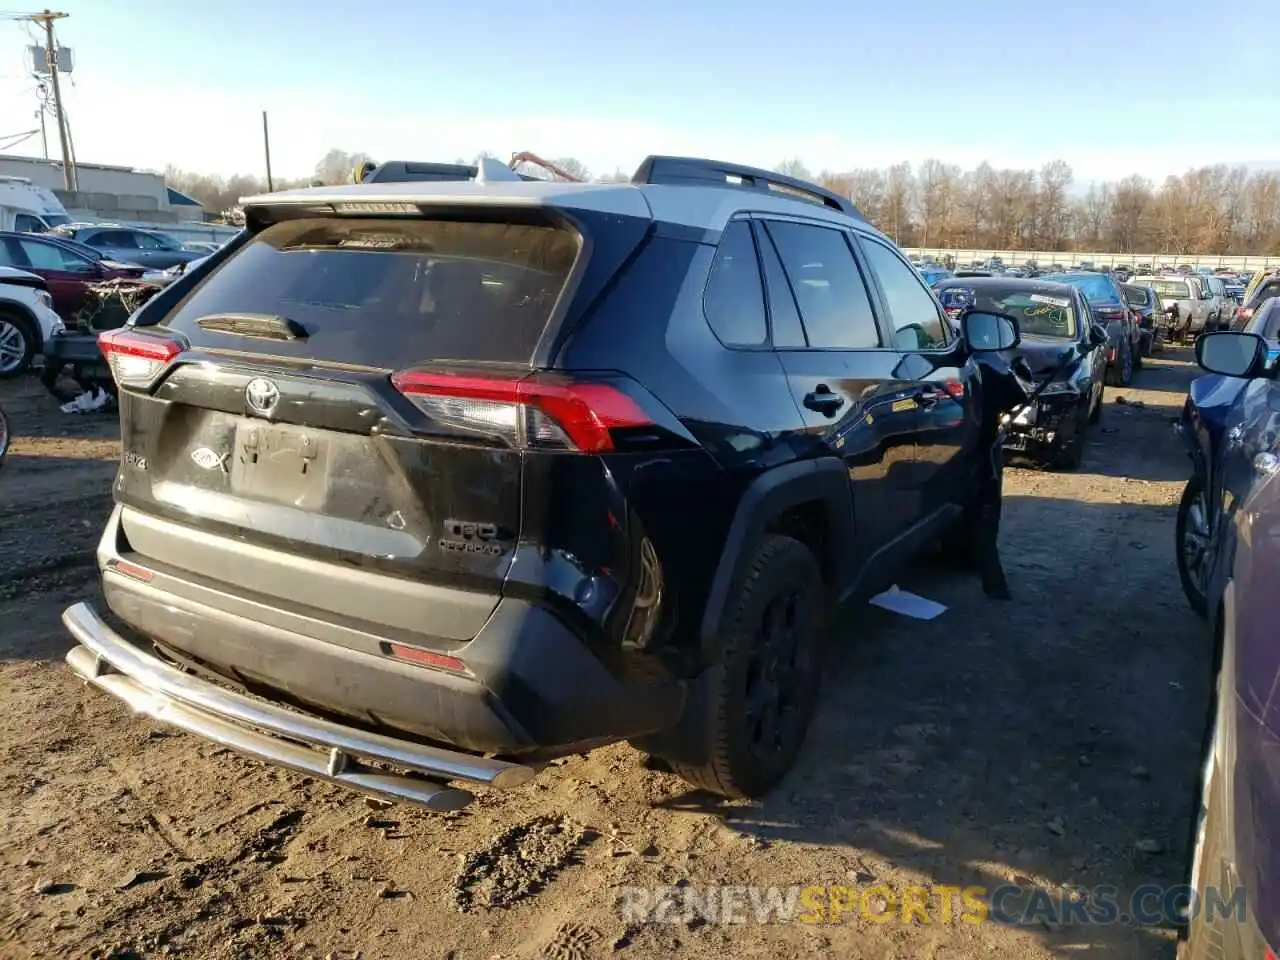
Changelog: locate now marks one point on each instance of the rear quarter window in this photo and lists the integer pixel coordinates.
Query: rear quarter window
(391, 293)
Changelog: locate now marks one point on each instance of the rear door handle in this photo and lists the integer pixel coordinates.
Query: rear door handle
(927, 398)
(823, 401)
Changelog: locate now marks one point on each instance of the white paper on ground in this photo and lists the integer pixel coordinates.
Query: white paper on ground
(908, 604)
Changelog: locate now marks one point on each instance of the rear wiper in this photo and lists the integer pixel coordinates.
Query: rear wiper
(264, 326)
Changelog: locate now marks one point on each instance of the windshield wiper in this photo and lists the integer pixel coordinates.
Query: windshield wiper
(263, 326)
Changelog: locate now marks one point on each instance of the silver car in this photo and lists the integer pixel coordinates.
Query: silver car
(1186, 300)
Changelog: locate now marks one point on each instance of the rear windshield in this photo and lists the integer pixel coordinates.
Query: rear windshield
(1172, 289)
(391, 293)
(1096, 288)
(1137, 296)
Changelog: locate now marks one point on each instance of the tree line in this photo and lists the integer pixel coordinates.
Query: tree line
(1209, 210)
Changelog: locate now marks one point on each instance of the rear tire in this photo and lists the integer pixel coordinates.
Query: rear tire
(756, 703)
(18, 341)
(1121, 374)
(1191, 531)
(1096, 413)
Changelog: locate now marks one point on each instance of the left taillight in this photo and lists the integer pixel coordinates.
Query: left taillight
(137, 359)
(534, 412)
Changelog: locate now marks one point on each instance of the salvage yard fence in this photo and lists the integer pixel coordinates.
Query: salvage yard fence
(1070, 257)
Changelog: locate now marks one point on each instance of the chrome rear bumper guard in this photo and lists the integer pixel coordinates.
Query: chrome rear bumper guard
(277, 734)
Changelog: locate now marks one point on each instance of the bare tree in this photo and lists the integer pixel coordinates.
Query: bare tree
(868, 190)
(1129, 210)
(793, 168)
(1054, 210)
(936, 185)
(574, 167)
(337, 165)
(1094, 213)
(973, 212)
(896, 215)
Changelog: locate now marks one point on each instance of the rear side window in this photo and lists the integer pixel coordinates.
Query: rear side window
(834, 305)
(1136, 296)
(734, 298)
(392, 293)
(1265, 292)
(50, 256)
(113, 238)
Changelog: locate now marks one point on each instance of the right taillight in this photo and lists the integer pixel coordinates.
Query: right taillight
(534, 412)
(137, 359)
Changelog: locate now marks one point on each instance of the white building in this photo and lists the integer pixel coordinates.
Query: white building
(107, 192)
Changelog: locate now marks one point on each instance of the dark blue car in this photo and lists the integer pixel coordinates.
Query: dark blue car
(1236, 864)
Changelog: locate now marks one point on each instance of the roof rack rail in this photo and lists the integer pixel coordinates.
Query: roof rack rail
(692, 170)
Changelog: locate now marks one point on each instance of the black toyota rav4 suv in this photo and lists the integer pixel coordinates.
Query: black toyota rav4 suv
(426, 483)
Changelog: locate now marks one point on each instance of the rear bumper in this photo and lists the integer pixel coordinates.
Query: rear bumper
(530, 687)
(273, 733)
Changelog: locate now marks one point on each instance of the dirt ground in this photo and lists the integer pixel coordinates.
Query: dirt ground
(1051, 740)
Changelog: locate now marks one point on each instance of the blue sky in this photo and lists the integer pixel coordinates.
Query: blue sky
(1111, 87)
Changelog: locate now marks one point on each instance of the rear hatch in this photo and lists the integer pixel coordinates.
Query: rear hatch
(354, 394)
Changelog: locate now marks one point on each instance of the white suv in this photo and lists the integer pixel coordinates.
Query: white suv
(27, 320)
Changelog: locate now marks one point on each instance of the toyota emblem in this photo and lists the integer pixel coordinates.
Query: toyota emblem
(262, 396)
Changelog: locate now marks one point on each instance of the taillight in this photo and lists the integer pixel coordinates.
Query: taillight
(136, 359)
(529, 413)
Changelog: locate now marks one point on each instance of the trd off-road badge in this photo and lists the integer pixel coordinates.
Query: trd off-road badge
(207, 459)
(464, 536)
(261, 396)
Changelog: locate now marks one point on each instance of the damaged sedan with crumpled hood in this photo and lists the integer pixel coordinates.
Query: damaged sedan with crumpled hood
(1055, 325)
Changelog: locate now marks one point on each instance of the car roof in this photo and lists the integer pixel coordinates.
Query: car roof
(686, 191)
(1024, 284)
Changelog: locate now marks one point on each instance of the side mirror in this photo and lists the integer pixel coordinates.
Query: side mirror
(985, 332)
(1097, 335)
(1232, 354)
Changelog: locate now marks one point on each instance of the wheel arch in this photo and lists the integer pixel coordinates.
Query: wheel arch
(808, 500)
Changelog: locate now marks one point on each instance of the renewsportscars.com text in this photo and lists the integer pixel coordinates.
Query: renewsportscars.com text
(1148, 905)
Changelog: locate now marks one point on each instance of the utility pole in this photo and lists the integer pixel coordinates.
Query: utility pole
(44, 134)
(51, 55)
(266, 146)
